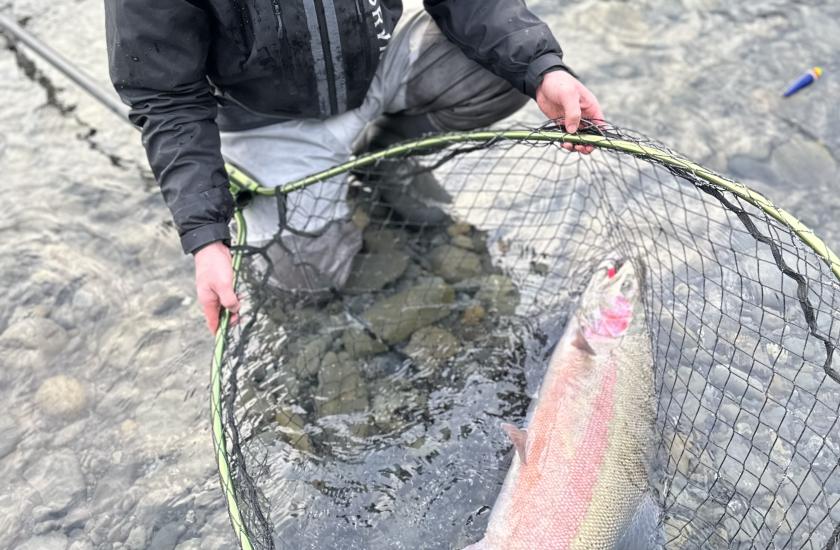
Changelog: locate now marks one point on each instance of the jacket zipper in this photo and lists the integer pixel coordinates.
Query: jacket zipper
(245, 25)
(328, 60)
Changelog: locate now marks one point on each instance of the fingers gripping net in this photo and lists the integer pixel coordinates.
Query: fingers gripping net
(368, 416)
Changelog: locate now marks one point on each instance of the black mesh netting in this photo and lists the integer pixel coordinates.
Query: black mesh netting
(368, 416)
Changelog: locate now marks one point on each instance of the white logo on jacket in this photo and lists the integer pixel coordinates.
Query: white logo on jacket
(379, 24)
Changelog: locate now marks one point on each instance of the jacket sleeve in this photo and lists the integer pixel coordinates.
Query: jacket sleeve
(157, 51)
(502, 35)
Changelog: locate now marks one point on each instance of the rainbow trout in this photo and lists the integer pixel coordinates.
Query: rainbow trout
(579, 477)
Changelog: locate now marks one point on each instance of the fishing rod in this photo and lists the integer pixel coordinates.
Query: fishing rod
(15, 33)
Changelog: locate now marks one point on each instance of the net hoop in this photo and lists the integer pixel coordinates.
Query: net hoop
(242, 185)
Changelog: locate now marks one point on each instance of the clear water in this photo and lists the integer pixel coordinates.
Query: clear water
(95, 287)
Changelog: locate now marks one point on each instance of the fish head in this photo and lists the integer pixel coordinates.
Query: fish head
(608, 304)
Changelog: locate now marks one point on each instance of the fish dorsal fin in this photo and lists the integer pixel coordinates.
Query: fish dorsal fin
(519, 437)
(581, 343)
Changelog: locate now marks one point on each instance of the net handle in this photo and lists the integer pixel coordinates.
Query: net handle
(216, 418)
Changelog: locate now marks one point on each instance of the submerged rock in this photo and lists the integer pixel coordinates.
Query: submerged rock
(307, 355)
(31, 343)
(58, 478)
(341, 388)
(803, 156)
(539, 268)
(473, 315)
(397, 317)
(458, 229)
(461, 235)
(51, 541)
(465, 242)
(376, 270)
(381, 240)
(61, 396)
(292, 425)
(9, 435)
(35, 333)
(391, 408)
(430, 346)
(455, 264)
(498, 293)
(359, 344)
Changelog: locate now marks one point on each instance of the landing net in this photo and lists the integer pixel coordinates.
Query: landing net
(368, 417)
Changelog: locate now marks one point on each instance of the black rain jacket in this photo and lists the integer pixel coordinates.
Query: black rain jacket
(188, 68)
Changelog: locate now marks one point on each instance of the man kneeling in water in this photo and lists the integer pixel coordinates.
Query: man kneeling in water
(285, 89)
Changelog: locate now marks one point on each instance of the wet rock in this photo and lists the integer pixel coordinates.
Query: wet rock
(470, 286)
(381, 240)
(373, 271)
(360, 218)
(292, 425)
(53, 541)
(35, 333)
(341, 388)
(190, 544)
(31, 343)
(473, 315)
(137, 538)
(86, 304)
(61, 396)
(782, 453)
(164, 422)
(58, 478)
(430, 346)
(462, 241)
(255, 402)
(458, 229)
(539, 268)
(128, 428)
(69, 434)
(383, 365)
(82, 544)
(359, 344)
(307, 356)
(802, 157)
(162, 305)
(389, 406)
(397, 317)
(455, 264)
(167, 537)
(9, 435)
(499, 294)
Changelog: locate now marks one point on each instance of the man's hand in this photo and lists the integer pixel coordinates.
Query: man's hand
(214, 283)
(562, 96)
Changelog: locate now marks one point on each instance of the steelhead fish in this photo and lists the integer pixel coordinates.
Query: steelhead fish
(579, 478)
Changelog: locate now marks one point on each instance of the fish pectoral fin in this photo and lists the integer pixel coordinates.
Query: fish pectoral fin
(519, 437)
(581, 343)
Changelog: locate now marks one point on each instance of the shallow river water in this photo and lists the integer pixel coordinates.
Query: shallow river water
(104, 358)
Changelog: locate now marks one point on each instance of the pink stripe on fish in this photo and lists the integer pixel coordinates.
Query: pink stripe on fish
(576, 495)
(564, 509)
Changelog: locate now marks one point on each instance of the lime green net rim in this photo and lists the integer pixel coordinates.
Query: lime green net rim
(241, 182)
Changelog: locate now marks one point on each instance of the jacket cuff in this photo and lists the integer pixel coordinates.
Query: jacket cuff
(197, 238)
(541, 65)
